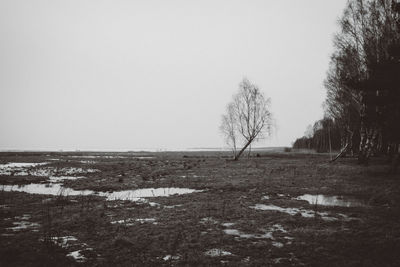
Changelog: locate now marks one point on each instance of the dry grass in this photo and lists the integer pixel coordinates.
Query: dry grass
(370, 238)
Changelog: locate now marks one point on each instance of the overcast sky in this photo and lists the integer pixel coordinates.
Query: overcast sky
(124, 74)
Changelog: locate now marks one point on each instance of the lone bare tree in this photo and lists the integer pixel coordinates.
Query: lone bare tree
(247, 118)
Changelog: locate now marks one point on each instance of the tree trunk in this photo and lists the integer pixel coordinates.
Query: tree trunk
(341, 153)
(243, 149)
(249, 152)
(368, 143)
(363, 141)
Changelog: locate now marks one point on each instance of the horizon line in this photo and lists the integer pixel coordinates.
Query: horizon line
(193, 149)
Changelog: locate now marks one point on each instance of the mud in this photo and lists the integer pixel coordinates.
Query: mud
(196, 208)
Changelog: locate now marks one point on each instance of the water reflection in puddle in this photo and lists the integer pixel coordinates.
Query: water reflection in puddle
(45, 189)
(56, 189)
(331, 200)
(135, 195)
(293, 211)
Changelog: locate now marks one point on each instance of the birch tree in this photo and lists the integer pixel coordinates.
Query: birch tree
(247, 119)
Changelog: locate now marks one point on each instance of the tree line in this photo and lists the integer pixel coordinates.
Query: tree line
(362, 108)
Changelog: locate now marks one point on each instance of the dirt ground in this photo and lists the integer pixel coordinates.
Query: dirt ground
(243, 213)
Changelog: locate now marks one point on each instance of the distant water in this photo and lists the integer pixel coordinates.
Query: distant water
(196, 149)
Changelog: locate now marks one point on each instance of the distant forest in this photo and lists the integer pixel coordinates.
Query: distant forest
(362, 108)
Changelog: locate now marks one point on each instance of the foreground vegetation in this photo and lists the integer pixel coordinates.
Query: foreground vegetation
(218, 226)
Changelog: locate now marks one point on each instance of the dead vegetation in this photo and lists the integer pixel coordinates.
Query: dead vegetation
(213, 227)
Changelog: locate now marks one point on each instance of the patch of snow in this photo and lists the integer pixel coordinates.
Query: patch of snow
(77, 256)
(216, 252)
(170, 257)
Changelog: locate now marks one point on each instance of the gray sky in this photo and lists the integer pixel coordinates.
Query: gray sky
(91, 74)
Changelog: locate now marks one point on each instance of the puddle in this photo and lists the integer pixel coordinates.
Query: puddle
(46, 189)
(231, 232)
(293, 211)
(331, 200)
(216, 252)
(77, 256)
(56, 189)
(135, 195)
(131, 221)
(170, 257)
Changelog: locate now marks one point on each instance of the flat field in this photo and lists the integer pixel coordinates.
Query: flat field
(196, 209)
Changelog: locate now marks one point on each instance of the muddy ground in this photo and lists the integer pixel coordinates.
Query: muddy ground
(244, 213)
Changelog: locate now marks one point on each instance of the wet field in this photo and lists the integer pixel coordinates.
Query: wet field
(196, 208)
